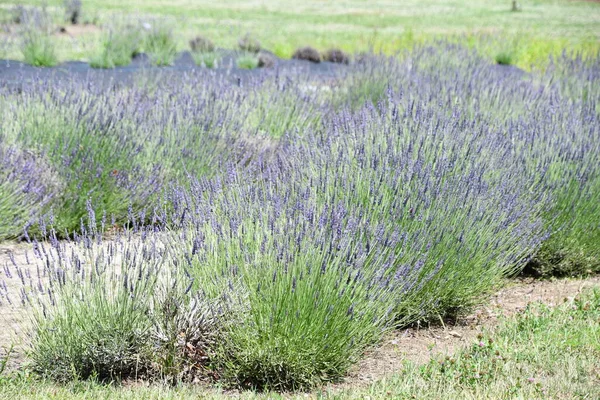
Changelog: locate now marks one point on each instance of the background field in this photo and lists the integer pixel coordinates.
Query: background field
(541, 28)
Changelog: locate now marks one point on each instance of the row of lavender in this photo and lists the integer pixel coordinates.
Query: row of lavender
(276, 230)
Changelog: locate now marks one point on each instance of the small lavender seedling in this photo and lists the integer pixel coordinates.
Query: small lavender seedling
(206, 59)
(247, 61)
(160, 45)
(120, 44)
(37, 45)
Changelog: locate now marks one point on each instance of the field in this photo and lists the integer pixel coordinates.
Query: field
(408, 208)
(540, 29)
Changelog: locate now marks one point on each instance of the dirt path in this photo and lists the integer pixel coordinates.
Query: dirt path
(417, 345)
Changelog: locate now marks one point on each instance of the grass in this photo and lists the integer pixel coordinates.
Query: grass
(543, 352)
(541, 29)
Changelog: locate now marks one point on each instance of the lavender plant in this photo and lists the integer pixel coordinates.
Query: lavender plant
(286, 230)
(309, 311)
(27, 186)
(36, 43)
(160, 44)
(120, 44)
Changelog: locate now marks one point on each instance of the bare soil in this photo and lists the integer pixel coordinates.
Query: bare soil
(419, 345)
(78, 30)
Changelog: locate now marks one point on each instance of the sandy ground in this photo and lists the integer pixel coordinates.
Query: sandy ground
(413, 344)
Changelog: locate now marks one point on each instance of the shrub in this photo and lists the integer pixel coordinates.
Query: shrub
(200, 44)
(208, 59)
(265, 60)
(247, 61)
(203, 52)
(504, 59)
(249, 44)
(118, 48)
(307, 53)
(336, 56)
(27, 185)
(97, 321)
(73, 11)
(36, 43)
(160, 45)
(38, 49)
(308, 313)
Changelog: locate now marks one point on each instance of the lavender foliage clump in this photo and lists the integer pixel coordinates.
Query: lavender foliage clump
(270, 231)
(27, 186)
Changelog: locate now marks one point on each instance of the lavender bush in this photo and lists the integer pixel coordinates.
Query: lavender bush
(27, 185)
(160, 44)
(36, 43)
(273, 231)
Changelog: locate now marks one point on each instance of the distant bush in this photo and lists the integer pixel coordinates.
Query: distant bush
(206, 59)
(36, 42)
(119, 45)
(18, 14)
(160, 45)
(336, 56)
(504, 59)
(38, 49)
(203, 52)
(307, 53)
(249, 44)
(265, 60)
(200, 44)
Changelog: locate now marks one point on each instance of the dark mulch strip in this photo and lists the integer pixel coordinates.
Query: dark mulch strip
(16, 75)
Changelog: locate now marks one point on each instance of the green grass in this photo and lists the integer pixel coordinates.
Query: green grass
(541, 28)
(543, 352)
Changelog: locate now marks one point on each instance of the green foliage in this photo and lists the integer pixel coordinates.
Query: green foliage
(247, 61)
(544, 352)
(160, 44)
(301, 324)
(206, 59)
(38, 49)
(504, 58)
(98, 328)
(572, 249)
(119, 46)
